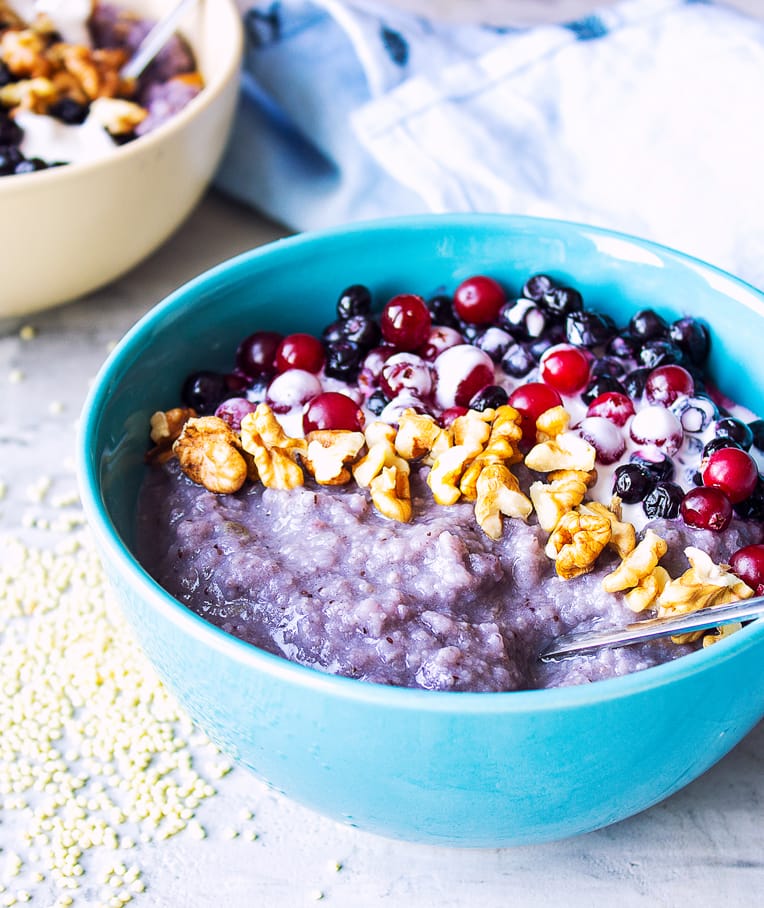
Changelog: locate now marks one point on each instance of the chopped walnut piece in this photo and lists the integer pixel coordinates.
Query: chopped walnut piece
(623, 537)
(23, 52)
(117, 116)
(704, 583)
(498, 492)
(577, 542)
(380, 441)
(718, 634)
(419, 437)
(272, 450)
(328, 452)
(551, 423)
(637, 564)
(165, 430)
(28, 94)
(391, 493)
(506, 432)
(471, 433)
(551, 500)
(96, 71)
(566, 451)
(648, 589)
(208, 453)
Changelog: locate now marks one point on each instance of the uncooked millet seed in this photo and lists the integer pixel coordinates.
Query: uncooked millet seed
(94, 751)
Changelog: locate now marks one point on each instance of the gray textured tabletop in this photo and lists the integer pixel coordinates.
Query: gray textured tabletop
(701, 847)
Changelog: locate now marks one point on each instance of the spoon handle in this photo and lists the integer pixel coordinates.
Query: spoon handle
(651, 629)
(155, 40)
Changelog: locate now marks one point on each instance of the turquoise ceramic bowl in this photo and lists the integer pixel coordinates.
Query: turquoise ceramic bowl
(467, 769)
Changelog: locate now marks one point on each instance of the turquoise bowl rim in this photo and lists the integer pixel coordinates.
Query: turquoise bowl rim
(503, 703)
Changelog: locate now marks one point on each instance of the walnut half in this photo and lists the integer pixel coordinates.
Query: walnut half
(208, 453)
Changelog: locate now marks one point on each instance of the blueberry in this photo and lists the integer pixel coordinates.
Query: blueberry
(608, 365)
(30, 165)
(563, 300)
(523, 319)
(10, 132)
(693, 337)
(588, 329)
(538, 286)
(343, 360)
(601, 385)
(660, 465)
(695, 413)
(752, 508)
(631, 483)
(490, 397)
(757, 430)
(518, 361)
(635, 382)
(354, 300)
(623, 346)
(442, 311)
(468, 331)
(660, 353)
(555, 334)
(10, 157)
(69, 111)
(664, 501)
(716, 444)
(730, 427)
(648, 325)
(362, 330)
(495, 342)
(204, 391)
(377, 402)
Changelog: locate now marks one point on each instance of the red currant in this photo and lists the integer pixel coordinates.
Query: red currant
(666, 383)
(233, 410)
(256, 354)
(531, 400)
(733, 471)
(406, 371)
(449, 415)
(460, 372)
(441, 338)
(300, 351)
(479, 299)
(707, 508)
(612, 405)
(748, 564)
(655, 425)
(332, 410)
(604, 436)
(406, 321)
(565, 368)
(292, 389)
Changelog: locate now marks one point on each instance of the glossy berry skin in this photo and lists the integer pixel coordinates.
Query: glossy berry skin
(565, 368)
(343, 360)
(752, 508)
(490, 398)
(537, 287)
(561, 301)
(632, 484)
(736, 430)
(695, 413)
(588, 329)
(256, 354)
(608, 365)
(518, 361)
(707, 508)
(377, 402)
(523, 319)
(406, 321)
(354, 300)
(634, 383)
(300, 351)
(441, 338)
(203, 391)
(332, 410)
(618, 408)
(623, 346)
(495, 342)
(757, 433)
(733, 471)
(291, 390)
(666, 383)
(531, 400)
(479, 299)
(447, 417)
(442, 312)
(692, 336)
(748, 564)
(460, 372)
(648, 325)
(603, 384)
(656, 353)
(664, 501)
(659, 465)
(233, 410)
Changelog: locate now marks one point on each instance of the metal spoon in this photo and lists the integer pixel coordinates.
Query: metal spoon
(155, 40)
(714, 616)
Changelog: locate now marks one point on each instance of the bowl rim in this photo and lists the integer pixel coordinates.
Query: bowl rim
(119, 558)
(145, 144)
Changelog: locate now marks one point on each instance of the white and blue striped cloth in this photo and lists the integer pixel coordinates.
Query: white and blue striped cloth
(645, 117)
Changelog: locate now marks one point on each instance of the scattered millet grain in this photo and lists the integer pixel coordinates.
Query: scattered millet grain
(94, 751)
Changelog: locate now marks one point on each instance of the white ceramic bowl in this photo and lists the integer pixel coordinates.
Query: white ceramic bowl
(66, 231)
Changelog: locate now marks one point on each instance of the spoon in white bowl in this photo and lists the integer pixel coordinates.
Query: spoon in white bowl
(577, 642)
(155, 40)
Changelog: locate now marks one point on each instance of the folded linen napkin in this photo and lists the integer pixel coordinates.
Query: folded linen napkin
(643, 117)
